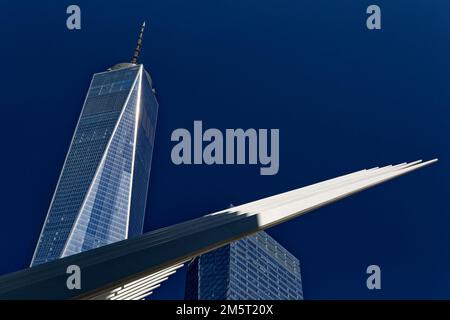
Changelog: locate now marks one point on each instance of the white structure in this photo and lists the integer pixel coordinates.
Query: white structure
(131, 269)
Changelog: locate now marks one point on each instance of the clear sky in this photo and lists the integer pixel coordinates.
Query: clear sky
(344, 98)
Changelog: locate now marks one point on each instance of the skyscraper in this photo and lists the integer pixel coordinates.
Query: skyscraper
(254, 268)
(100, 197)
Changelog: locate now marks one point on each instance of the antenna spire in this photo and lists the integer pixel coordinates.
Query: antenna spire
(137, 50)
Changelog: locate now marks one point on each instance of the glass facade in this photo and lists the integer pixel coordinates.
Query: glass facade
(254, 268)
(101, 194)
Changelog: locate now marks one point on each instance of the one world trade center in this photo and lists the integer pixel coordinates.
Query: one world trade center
(100, 197)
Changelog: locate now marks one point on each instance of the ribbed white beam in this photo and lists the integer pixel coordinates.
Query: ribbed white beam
(279, 201)
(143, 290)
(151, 277)
(289, 209)
(276, 209)
(140, 286)
(285, 206)
(142, 296)
(146, 261)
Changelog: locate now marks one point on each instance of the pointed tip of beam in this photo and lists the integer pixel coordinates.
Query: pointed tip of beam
(419, 164)
(405, 164)
(431, 161)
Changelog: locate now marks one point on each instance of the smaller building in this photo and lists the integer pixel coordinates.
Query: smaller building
(254, 268)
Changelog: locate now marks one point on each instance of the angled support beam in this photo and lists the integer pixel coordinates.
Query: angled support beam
(144, 262)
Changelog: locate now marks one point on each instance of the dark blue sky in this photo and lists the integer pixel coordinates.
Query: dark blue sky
(344, 98)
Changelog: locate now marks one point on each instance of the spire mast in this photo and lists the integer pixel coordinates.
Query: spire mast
(137, 50)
